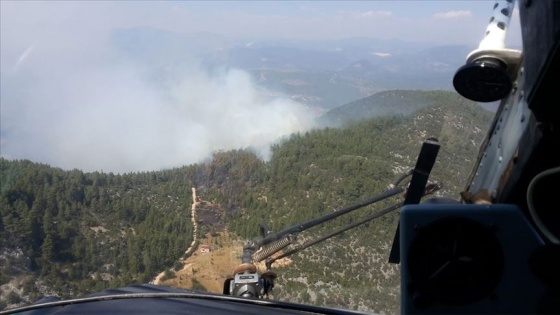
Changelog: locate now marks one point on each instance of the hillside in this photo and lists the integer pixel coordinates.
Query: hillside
(325, 170)
(72, 232)
(89, 231)
(386, 103)
(195, 273)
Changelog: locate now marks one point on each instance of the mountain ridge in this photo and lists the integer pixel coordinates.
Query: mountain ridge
(386, 103)
(325, 66)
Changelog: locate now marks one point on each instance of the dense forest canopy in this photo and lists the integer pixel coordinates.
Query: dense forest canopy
(69, 233)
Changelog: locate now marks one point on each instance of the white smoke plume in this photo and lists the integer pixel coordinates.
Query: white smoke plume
(69, 100)
(110, 118)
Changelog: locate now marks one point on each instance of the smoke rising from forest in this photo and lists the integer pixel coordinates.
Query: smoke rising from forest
(72, 100)
(108, 117)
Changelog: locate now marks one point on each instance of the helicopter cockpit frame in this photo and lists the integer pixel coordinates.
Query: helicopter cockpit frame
(495, 251)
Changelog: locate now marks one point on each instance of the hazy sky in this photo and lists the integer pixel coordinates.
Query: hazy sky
(64, 101)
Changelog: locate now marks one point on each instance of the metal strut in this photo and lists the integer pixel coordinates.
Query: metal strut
(430, 189)
(268, 250)
(416, 189)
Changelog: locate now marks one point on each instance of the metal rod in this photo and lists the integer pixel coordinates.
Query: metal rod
(344, 229)
(495, 35)
(313, 222)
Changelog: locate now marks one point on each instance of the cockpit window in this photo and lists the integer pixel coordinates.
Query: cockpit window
(148, 142)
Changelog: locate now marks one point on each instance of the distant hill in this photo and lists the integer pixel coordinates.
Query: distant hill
(322, 73)
(386, 103)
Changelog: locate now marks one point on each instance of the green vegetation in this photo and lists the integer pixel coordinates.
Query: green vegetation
(79, 229)
(388, 103)
(80, 232)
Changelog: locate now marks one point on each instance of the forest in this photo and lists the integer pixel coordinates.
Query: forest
(69, 233)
